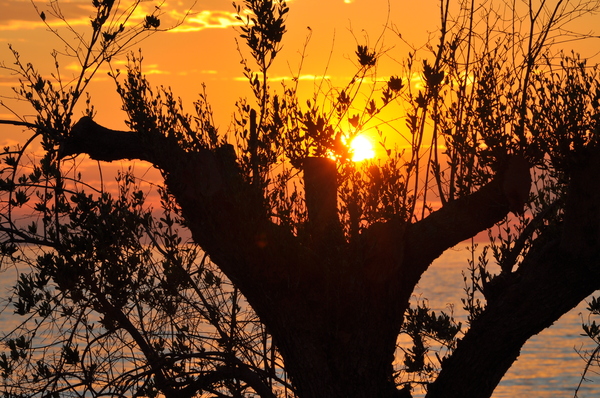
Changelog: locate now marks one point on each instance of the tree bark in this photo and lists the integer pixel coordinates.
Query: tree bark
(333, 310)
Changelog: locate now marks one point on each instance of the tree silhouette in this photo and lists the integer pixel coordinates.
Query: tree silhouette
(326, 251)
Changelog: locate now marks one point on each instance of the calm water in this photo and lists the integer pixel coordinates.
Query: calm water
(549, 365)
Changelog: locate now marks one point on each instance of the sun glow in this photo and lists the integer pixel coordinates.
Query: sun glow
(362, 148)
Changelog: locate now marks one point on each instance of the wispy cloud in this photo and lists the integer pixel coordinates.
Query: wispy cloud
(21, 15)
(19, 24)
(8, 81)
(149, 69)
(204, 20)
(195, 71)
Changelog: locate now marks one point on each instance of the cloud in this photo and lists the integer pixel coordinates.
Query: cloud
(149, 69)
(206, 19)
(17, 24)
(9, 81)
(18, 15)
(9, 142)
(22, 15)
(196, 71)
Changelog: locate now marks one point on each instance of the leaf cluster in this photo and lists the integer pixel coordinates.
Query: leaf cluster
(424, 327)
(263, 28)
(570, 99)
(161, 113)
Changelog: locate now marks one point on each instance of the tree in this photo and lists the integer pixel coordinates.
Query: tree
(326, 251)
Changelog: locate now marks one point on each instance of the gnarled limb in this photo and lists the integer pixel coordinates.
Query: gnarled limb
(463, 218)
(224, 215)
(209, 173)
(552, 285)
(104, 144)
(557, 274)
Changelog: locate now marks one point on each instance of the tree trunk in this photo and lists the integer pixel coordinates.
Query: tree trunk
(348, 354)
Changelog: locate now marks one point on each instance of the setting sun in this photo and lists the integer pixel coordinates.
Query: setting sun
(362, 148)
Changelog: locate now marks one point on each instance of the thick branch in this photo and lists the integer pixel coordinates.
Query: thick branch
(103, 144)
(320, 187)
(224, 212)
(201, 170)
(581, 234)
(467, 216)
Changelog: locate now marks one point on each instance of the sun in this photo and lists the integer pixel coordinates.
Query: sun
(362, 148)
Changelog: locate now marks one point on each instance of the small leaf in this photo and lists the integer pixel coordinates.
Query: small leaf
(365, 57)
(151, 22)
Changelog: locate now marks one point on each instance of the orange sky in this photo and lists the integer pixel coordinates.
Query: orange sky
(202, 49)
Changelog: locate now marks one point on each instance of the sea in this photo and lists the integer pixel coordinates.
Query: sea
(550, 364)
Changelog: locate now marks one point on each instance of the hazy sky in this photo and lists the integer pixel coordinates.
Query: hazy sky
(202, 49)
